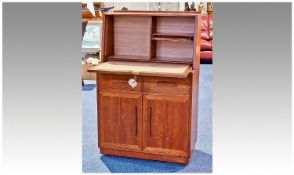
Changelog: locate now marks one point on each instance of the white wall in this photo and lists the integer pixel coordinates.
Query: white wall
(143, 5)
(171, 6)
(129, 5)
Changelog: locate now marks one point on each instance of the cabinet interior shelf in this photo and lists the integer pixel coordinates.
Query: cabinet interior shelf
(184, 37)
(176, 39)
(148, 59)
(174, 34)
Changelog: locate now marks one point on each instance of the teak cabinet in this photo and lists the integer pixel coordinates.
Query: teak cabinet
(158, 54)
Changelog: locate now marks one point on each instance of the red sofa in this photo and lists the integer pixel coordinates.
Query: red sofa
(206, 39)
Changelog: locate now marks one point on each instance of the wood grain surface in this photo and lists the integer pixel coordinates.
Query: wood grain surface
(120, 126)
(144, 155)
(174, 49)
(175, 25)
(140, 68)
(160, 85)
(132, 35)
(118, 82)
(165, 124)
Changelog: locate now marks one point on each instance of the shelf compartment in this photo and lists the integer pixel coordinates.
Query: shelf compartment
(173, 34)
(175, 39)
(175, 25)
(172, 60)
(153, 60)
(132, 35)
(174, 50)
(128, 57)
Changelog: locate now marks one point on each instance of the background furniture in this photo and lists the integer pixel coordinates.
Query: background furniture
(206, 39)
(86, 14)
(160, 53)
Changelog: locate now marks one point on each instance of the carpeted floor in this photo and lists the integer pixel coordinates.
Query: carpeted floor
(200, 162)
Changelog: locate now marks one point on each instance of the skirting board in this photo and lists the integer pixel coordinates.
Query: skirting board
(143, 155)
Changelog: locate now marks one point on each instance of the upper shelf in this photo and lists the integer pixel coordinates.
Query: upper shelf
(187, 61)
(172, 39)
(178, 37)
(174, 34)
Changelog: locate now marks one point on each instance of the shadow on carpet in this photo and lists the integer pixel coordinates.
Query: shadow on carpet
(200, 162)
(89, 87)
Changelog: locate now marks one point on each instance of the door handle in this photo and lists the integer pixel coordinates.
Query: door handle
(150, 117)
(136, 121)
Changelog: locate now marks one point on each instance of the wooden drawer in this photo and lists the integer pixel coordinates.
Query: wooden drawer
(118, 82)
(167, 85)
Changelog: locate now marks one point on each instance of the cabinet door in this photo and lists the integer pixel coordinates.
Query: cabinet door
(120, 120)
(166, 124)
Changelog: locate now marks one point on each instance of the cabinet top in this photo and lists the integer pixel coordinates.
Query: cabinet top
(152, 13)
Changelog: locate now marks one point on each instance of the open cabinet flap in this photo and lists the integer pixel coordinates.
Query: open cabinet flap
(146, 69)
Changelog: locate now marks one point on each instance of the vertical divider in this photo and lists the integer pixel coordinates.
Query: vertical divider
(107, 37)
(153, 42)
(197, 40)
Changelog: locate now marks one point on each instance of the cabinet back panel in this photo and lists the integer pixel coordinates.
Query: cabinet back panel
(132, 35)
(175, 25)
(169, 49)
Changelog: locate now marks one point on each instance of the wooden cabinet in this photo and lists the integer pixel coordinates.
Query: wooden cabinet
(166, 124)
(120, 120)
(147, 85)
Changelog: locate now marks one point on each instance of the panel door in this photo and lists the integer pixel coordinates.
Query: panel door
(120, 120)
(166, 124)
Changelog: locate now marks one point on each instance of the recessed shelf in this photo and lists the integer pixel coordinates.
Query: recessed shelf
(173, 60)
(128, 57)
(147, 59)
(174, 34)
(176, 39)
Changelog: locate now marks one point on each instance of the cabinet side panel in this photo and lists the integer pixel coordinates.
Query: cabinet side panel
(107, 37)
(197, 40)
(97, 112)
(194, 108)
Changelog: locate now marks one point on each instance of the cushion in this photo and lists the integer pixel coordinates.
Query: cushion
(205, 35)
(206, 27)
(206, 45)
(206, 55)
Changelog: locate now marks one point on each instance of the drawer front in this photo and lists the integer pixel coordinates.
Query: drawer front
(167, 85)
(118, 82)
